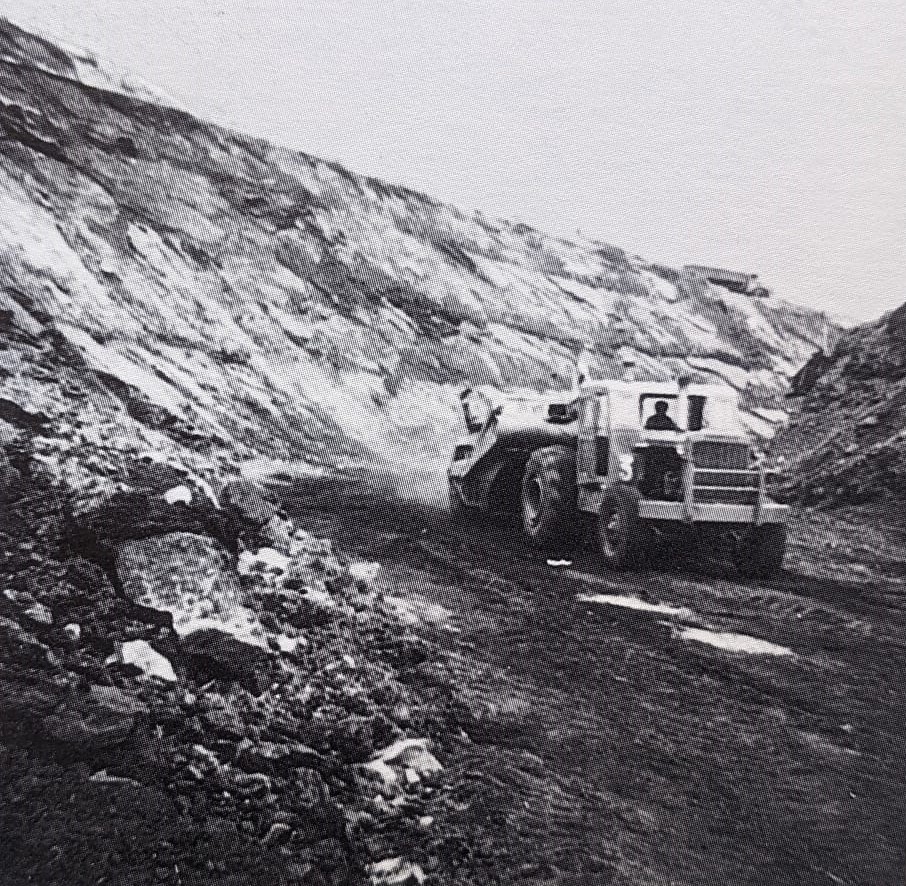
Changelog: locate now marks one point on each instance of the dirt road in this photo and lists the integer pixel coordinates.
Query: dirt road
(586, 742)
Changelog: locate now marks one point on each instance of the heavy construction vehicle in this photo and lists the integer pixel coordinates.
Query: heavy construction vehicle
(648, 462)
(735, 281)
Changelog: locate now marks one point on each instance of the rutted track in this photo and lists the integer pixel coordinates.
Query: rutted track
(589, 743)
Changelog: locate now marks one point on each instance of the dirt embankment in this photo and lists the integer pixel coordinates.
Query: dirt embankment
(846, 442)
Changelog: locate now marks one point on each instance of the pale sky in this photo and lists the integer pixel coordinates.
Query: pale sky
(765, 136)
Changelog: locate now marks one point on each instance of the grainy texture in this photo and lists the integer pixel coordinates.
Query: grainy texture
(197, 688)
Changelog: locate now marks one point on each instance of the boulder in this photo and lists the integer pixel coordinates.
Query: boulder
(248, 503)
(222, 655)
(191, 577)
(147, 659)
(18, 644)
(103, 717)
(141, 514)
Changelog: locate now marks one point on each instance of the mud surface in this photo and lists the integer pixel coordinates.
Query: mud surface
(590, 743)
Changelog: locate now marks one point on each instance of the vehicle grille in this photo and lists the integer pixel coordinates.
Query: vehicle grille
(712, 455)
(717, 477)
(725, 496)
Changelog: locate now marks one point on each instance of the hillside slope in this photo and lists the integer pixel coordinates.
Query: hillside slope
(215, 293)
(846, 442)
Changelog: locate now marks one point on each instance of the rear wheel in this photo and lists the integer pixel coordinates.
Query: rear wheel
(622, 538)
(761, 553)
(549, 496)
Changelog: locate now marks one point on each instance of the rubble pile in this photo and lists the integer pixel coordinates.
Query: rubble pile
(193, 689)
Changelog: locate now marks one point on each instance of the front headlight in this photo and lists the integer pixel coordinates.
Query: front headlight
(627, 465)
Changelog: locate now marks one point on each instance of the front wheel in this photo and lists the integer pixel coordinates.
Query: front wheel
(621, 536)
(761, 553)
(549, 496)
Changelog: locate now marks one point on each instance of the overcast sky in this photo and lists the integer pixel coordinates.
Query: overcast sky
(765, 135)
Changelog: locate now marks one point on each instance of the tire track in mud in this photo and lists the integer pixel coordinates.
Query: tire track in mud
(587, 743)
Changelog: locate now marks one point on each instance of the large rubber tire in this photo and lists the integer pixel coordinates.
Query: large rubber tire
(549, 496)
(622, 539)
(761, 553)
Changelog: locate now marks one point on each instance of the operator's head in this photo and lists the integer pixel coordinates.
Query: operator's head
(661, 407)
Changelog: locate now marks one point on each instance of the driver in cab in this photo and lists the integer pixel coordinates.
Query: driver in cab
(660, 420)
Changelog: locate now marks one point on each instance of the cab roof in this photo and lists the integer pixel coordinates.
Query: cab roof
(658, 388)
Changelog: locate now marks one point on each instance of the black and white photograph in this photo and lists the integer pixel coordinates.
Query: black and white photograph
(452, 443)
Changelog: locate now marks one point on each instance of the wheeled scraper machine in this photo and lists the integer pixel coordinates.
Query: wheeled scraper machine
(647, 461)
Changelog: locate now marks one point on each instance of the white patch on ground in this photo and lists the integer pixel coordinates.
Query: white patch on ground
(240, 623)
(178, 493)
(416, 611)
(729, 642)
(408, 754)
(635, 603)
(396, 870)
(364, 571)
(148, 660)
(320, 598)
(289, 645)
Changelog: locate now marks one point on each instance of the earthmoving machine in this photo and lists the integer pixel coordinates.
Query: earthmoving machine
(647, 462)
(735, 281)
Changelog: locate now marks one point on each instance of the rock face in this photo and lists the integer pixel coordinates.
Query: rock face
(194, 289)
(846, 441)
